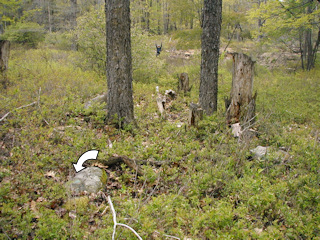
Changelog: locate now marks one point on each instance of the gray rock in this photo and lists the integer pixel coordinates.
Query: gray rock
(259, 152)
(91, 180)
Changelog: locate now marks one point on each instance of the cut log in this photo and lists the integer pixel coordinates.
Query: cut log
(184, 83)
(241, 105)
(4, 59)
(195, 114)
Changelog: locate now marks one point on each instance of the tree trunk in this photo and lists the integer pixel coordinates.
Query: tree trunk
(165, 18)
(49, 18)
(73, 23)
(73, 14)
(241, 105)
(210, 41)
(119, 62)
(4, 59)
(315, 48)
(309, 52)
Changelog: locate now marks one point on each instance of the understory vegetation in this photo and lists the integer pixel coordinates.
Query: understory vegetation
(208, 187)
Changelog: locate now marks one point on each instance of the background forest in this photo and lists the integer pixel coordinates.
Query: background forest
(209, 185)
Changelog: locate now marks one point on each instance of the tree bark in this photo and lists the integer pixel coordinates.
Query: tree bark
(210, 41)
(73, 23)
(241, 105)
(119, 62)
(4, 60)
(165, 18)
(49, 18)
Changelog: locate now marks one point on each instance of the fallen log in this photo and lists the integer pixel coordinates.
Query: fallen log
(131, 163)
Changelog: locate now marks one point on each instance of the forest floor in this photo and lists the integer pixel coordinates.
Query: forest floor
(209, 185)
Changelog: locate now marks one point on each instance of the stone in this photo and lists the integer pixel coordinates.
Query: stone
(90, 180)
(259, 152)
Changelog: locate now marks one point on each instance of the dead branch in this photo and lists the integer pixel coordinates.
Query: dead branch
(134, 164)
(24, 106)
(115, 223)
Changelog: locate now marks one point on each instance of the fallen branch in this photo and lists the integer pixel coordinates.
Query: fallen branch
(134, 164)
(24, 106)
(169, 236)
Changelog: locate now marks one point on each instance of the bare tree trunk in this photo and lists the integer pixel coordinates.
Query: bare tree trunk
(119, 62)
(73, 22)
(165, 18)
(241, 105)
(210, 42)
(49, 17)
(308, 49)
(4, 59)
(315, 48)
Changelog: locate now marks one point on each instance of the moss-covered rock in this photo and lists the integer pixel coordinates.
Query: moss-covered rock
(91, 180)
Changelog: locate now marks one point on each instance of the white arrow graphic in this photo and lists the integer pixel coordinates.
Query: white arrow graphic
(92, 154)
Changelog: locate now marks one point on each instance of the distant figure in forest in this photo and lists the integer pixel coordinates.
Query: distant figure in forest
(159, 49)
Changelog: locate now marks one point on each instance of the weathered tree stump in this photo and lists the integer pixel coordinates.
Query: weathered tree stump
(195, 114)
(241, 105)
(184, 82)
(161, 101)
(4, 59)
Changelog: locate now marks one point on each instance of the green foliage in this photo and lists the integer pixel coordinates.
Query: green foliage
(9, 11)
(27, 33)
(284, 20)
(146, 67)
(90, 35)
(208, 186)
(234, 22)
(59, 40)
(188, 39)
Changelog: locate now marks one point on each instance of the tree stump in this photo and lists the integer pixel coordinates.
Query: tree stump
(195, 114)
(161, 100)
(241, 105)
(184, 82)
(4, 59)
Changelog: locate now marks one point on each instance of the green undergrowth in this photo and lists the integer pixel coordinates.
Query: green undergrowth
(208, 187)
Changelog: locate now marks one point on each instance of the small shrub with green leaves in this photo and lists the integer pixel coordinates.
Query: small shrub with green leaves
(27, 33)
